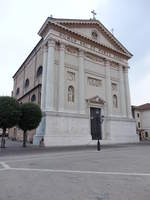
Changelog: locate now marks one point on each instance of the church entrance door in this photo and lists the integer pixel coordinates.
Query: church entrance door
(96, 131)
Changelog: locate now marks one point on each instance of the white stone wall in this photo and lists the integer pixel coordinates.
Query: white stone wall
(122, 130)
(71, 106)
(93, 89)
(145, 119)
(64, 129)
(94, 67)
(138, 119)
(28, 70)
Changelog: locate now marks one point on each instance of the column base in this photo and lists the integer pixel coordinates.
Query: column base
(37, 139)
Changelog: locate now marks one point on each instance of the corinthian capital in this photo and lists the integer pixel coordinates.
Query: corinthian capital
(62, 46)
(51, 43)
(107, 62)
(81, 53)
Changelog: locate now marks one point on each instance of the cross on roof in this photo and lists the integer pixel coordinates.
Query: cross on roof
(112, 30)
(94, 14)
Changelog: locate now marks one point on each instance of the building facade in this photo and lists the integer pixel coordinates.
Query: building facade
(78, 72)
(142, 116)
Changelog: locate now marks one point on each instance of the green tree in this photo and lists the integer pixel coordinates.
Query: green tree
(30, 118)
(9, 115)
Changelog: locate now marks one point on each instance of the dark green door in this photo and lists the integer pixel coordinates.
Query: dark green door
(95, 123)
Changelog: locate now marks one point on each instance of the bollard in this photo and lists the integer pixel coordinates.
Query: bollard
(98, 146)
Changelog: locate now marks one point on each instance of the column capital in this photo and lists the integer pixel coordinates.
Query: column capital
(107, 62)
(126, 69)
(121, 67)
(81, 53)
(44, 47)
(51, 42)
(62, 46)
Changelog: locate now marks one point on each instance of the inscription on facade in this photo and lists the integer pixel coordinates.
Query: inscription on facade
(94, 82)
(94, 58)
(91, 47)
(71, 50)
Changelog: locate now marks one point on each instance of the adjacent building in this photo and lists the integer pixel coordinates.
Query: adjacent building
(77, 73)
(142, 116)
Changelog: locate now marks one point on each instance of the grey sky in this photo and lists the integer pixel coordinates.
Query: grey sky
(21, 20)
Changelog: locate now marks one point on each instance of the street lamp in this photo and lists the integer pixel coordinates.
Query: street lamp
(100, 133)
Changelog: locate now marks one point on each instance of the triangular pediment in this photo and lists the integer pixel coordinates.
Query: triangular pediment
(94, 30)
(96, 99)
(91, 29)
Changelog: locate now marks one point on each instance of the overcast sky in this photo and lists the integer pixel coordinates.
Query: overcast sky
(20, 20)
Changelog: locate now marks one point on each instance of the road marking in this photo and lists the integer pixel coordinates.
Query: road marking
(80, 172)
(46, 156)
(2, 169)
(4, 165)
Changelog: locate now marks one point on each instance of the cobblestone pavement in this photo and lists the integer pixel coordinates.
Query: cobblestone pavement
(117, 172)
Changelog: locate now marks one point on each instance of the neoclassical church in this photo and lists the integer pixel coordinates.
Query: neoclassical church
(78, 74)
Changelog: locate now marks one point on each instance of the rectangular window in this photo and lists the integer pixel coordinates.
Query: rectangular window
(146, 134)
(139, 125)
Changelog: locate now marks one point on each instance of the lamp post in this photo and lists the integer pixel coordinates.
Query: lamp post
(98, 140)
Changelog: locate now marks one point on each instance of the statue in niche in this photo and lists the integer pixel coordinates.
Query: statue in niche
(70, 93)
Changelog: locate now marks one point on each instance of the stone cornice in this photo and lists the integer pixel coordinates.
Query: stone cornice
(96, 99)
(64, 30)
(119, 118)
(33, 52)
(26, 94)
(66, 114)
(93, 50)
(60, 23)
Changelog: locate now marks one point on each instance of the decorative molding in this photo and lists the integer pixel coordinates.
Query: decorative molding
(62, 46)
(70, 66)
(72, 50)
(114, 65)
(51, 43)
(96, 99)
(119, 118)
(81, 53)
(100, 50)
(114, 87)
(94, 82)
(125, 69)
(94, 58)
(70, 76)
(94, 73)
(115, 79)
(66, 114)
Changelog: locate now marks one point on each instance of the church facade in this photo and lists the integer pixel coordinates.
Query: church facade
(78, 73)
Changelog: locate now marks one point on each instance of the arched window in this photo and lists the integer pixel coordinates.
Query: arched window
(33, 98)
(39, 71)
(70, 93)
(17, 91)
(26, 83)
(115, 101)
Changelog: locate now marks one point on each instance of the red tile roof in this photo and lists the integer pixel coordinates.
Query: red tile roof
(145, 106)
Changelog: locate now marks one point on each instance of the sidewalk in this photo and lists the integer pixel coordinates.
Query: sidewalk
(15, 148)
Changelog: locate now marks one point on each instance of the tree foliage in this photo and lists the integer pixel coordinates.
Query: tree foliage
(9, 114)
(30, 118)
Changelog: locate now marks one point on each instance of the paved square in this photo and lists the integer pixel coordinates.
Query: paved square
(121, 173)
